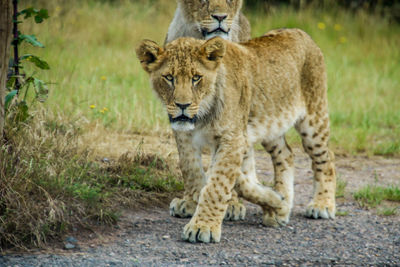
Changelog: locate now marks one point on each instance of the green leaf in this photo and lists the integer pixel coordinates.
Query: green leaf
(31, 39)
(28, 12)
(10, 82)
(38, 19)
(41, 15)
(37, 61)
(10, 97)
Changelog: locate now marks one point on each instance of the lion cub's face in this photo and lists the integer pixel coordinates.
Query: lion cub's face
(183, 74)
(213, 17)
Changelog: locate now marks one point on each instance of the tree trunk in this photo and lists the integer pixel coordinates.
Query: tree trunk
(5, 41)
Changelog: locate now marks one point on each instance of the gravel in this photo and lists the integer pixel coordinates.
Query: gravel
(150, 237)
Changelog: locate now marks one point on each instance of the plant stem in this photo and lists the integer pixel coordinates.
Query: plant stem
(15, 44)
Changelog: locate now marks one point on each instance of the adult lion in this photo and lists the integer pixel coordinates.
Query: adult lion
(204, 19)
(230, 96)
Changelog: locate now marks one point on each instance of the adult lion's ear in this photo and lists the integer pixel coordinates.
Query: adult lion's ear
(212, 51)
(148, 52)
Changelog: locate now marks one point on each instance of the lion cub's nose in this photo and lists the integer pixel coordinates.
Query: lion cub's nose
(219, 17)
(183, 106)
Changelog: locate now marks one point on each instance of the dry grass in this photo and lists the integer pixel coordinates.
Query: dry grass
(49, 181)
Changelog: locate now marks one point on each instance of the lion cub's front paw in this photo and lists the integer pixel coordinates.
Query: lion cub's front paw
(201, 232)
(235, 211)
(275, 217)
(321, 208)
(182, 207)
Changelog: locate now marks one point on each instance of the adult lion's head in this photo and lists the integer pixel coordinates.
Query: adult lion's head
(212, 17)
(184, 75)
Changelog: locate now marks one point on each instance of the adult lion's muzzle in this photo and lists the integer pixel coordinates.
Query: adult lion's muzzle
(182, 118)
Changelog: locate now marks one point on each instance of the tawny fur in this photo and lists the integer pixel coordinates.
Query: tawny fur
(194, 18)
(247, 93)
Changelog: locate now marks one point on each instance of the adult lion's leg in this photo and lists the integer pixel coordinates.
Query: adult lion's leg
(314, 131)
(282, 159)
(193, 176)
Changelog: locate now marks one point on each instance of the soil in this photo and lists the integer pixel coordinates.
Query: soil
(149, 236)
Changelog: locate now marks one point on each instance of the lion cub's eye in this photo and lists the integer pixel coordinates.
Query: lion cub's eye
(169, 78)
(196, 78)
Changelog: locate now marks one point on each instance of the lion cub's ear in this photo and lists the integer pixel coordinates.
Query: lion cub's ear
(148, 52)
(212, 51)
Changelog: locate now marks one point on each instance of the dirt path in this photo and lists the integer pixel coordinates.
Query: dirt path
(150, 237)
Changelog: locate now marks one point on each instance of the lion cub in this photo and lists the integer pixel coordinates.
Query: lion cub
(205, 19)
(229, 96)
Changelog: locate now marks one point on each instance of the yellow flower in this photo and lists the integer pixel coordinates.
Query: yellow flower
(102, 111)
(337, 27)
(343, 40)
(92, 106)
(103, 78)
(105, 109)
(321, 25)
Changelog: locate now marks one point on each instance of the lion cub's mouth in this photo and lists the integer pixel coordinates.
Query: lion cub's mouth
(182, 123)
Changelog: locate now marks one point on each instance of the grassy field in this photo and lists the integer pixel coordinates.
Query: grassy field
(90, 47)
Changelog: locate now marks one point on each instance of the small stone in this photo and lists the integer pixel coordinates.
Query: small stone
(71, 239)
(272, 262)
(69, 246)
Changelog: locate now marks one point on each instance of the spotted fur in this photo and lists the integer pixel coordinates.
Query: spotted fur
(241, 94)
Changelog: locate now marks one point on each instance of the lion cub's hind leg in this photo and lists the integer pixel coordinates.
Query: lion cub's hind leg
(236, 209)
(314, 131)
(282, 159)
(182, 207)
(252, 190)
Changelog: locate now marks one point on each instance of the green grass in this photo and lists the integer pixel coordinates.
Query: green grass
(340, 187)
(387, 211)
(90, 47)
(372, 196)
(341, 213)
